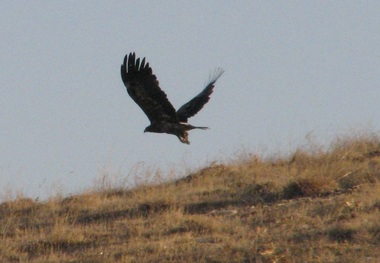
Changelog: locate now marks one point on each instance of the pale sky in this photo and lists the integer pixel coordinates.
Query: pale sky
(292, 68)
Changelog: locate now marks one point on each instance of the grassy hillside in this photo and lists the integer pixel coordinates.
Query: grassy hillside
(312, 206)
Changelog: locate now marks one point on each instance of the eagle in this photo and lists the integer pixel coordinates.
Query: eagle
(143, 87)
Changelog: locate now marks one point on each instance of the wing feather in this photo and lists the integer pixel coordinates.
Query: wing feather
(143, 87)
(196, 104)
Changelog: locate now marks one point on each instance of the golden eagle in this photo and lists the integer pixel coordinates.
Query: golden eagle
(143, 87)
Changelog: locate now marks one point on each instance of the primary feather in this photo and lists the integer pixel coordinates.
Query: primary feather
(143, 87)
(196, 104)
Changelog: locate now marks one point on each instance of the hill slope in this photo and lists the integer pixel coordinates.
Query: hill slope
(314, 206)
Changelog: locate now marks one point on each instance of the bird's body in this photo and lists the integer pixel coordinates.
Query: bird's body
(143, 87)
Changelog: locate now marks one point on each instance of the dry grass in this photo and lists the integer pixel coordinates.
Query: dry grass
(314, 206)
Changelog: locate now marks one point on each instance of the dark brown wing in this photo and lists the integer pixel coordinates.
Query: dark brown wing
(143, 87)
(196, 104)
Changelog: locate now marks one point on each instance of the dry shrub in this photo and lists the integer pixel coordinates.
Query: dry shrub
(308, 187)
(318, 205)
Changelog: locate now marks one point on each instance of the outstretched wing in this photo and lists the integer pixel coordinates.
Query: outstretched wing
(143, 87)
(196, 104)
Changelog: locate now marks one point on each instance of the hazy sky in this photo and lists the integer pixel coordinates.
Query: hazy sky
(292, 68)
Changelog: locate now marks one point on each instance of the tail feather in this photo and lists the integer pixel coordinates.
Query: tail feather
(202, 128)
(189, 127)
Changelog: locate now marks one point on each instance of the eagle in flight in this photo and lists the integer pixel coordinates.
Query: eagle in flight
(143, 87)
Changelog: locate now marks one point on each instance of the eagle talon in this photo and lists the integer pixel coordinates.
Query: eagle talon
(184, 139)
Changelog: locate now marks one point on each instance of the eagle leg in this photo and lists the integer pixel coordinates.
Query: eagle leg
(184, 137)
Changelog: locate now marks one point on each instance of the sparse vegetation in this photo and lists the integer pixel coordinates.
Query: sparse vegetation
(314, 206)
